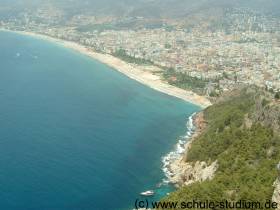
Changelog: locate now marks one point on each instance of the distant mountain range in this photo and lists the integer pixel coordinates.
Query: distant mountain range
(137, 8)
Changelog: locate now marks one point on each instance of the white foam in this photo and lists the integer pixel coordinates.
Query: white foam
(179, 149)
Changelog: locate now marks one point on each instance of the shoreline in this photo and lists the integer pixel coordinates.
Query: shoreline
(132, 71)
(181, 171)
(180, 150)
(171, 162)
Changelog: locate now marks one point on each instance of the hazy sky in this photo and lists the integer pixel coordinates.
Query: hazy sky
(153, 6)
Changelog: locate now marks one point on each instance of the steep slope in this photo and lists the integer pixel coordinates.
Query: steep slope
(244, 139)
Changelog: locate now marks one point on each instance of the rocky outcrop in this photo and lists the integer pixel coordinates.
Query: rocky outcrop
(276, 193)
(267, 111)
(185, 173)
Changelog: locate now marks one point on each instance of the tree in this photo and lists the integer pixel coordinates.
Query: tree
(277, 96)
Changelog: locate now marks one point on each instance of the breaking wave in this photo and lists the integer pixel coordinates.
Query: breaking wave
(178, 150)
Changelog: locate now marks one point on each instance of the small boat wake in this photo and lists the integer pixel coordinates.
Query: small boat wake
(164, 187)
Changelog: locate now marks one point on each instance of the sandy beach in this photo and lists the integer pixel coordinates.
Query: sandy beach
(137, 73)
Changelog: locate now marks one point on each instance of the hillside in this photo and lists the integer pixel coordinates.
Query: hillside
(242, 135)
(133, 8)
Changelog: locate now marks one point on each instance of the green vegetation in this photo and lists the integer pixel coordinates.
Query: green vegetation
(277, 95)
(178, 79)
(214, 94)
(130, 59)
(225, 122)
(247, 153)
(167, 46)
(184, 81)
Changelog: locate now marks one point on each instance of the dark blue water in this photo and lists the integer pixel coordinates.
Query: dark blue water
(75, 134)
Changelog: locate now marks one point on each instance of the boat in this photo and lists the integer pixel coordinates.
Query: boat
(148, 193)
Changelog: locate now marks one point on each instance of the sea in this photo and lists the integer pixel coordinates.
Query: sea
(76, 134)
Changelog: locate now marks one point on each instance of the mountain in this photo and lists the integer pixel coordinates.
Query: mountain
(134, 8)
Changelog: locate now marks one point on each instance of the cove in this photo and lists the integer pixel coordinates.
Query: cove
(76, 134)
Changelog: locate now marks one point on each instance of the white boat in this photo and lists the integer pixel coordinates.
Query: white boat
(148, 193)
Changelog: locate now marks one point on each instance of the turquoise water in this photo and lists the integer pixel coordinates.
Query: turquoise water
(77, 135)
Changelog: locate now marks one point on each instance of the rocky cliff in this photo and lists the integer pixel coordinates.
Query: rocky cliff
(184, 172)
